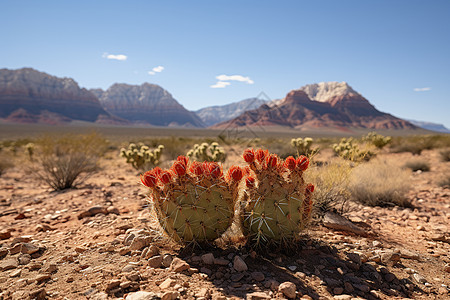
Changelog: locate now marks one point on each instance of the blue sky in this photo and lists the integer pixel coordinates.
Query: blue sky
(395, 53)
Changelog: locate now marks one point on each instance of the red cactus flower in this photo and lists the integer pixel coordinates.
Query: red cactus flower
(261, 155)
(157, 171)
(302, 163)
(149, 179)
(196, 168)
(290, 163)
(183, 159)
(249, 155)
(235, 173)
(272, 161)
(309, 188)
(179, 168)
(214, 169)
(165, 177)
(250, 182)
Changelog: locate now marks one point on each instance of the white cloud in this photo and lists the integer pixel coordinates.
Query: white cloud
(235, 78)
(220, 85)
(114, 56)
(224, 80)
(155, 70)
(425, 89)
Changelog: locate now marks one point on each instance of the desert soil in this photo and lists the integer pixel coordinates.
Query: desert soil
(100, 241)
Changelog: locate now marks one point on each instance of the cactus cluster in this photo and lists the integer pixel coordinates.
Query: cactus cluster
(197, 202)
(377, 140)
(29, 149)
(207, 152)
(141, 157)
(349, 150)
(303, 146)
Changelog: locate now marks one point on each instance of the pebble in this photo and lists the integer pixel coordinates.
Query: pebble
(258, 296)
(258, 276)
(38, 294)
(288, 289)
(208, 258)
(5, 234)
(377, 244)
(9, 263)
(221, 261)
(338, 290)
(239, 264)
(42, 277)
(343, 297)
(141, 295)
(447, 268)
(354, 257)
(169, 296)
(139, 242)
(15, 273)
(418, 278)
(167, 260)
(167, 283)
(389, 277)
(51, 268)
(93, 211)
(24, 259)
(178, 265)
(149, 252)
(128, 268)
(348, 287)
(390, 257)
(155, 261)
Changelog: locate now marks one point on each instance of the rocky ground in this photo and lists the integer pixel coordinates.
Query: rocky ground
(100, 241)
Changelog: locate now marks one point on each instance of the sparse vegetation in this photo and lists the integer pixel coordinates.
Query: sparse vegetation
(416, 144)
(348, 149)
(5, 163)
(445, 155)
(418, 165)
(66, 161)
(332, 186)
(303, 146)
(377, 140)
(141, 157)
(444, 181)
(207, 152)
(29, 148)
(380, 184)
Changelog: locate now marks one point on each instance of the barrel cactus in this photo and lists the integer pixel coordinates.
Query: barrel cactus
(194, 201)
(277, 201)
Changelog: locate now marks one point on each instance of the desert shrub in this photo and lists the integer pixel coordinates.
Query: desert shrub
(348, 149)
(380, 184)
(303, 146)
(207, 152)
(444, 181)
(5, 163)
(377, 140)
(445, 155)
(418, 165)
(63, 162)
(416, 144)
(332, 186)
(29, 150)
(141, 157)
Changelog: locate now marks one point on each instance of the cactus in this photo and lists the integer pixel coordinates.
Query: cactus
(194, 201)
(206, 152)
(141, 157)
(303, 146)
(30, 150)
(347, 149)
(277, 201)
(377, 140)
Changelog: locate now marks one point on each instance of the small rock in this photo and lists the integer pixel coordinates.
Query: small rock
(8, 264)
(418, 278)
(203, 293)
(155, 261)
(112, 284)
(152, 250)
(80, 249)
(344, 297)
(288, 289)
(24, 259)
(438, 237)
(167, 283)
(408, 254)
(221, 261)
(3, 252)
(42, 277)
(354, 257)
(15, 249)
(113, 210)
(362, 287)
(141, 295)
(43, 228)
(208, 258)
(376, 258)
(28, 248)
(377, 244)
(178, 265)
(139, 242)
(420, 228)
(128, 268)
(292, 268)
(167, 260)
(390, 257)
(258, 296)
(239, 264)
(206, 271)
(38, 294)
(258, 276)
(338, 290)
(338, 222)
(15, 273)
(170, 296)
(51, 268)
(93, 211)
(389, 277)
(5, 234)
(237, 277)
(348, 287)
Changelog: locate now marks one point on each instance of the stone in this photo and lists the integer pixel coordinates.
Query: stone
(80, 249)
(258, 296)
(15, 273)
(258, 276)
(28, 248)
(208, 258)
(178, 265)
(355, 257)
(390, 257)
(152, 250)
(155, 261)
(3, 252)
(344, 297)
(362, 287)
(113, 210)
(239, 264)
(418, 278)
(377, 244)
(167, 260)
(42, 277)
(348, 287)
(15, 249)
(5, 234)
(170, 296)
(338, 290)
(128, 268)
(288, 289)
(92, 211)
(24, 259)
(169, 282)
(112, 284)
(447, 268)
(141, 295)
(38, 294)
(51, 268)
(408, 254)
(389, 277)
(139, 242)
(9, 263)
(338, 222)
(221, 261)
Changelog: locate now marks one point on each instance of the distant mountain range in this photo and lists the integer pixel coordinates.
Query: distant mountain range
(322, 105)
(430, 126)
(30, 96)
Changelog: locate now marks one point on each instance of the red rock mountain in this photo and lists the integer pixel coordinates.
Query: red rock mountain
(326, 104)
(30, 96)
(146, 103)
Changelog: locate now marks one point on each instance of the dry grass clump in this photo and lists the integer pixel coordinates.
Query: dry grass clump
(5, 163)
(445, 155)
(332, 186)
(380, 184)
(418, 165)
(416, 144)
(444, 181)
(63, 162)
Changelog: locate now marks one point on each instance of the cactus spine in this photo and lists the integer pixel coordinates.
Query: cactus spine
(194, 201)
(277, 201)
